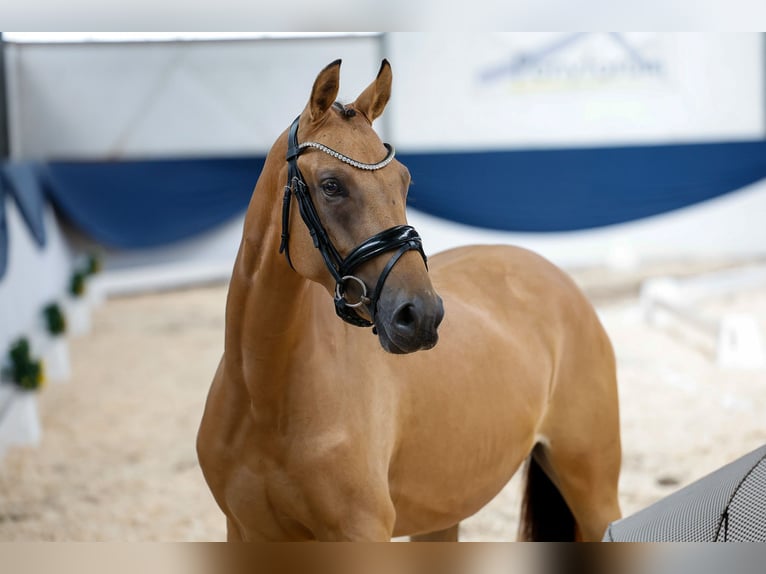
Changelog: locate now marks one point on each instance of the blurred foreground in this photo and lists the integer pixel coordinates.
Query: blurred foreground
(379, 559)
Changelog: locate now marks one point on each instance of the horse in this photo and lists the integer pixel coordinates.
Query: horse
(479, 360)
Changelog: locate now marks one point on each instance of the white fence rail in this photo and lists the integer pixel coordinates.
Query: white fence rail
(736, 337)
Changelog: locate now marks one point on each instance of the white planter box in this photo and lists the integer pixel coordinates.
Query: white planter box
(56, 360)
(78, 316)
(19, 418)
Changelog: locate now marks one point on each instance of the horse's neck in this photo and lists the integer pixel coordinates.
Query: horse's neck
(266, 298)
(267, 307)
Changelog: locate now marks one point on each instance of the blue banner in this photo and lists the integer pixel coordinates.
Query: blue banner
(144, 204)
(570, 189)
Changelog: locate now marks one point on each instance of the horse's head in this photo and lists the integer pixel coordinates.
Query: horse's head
(352, 236)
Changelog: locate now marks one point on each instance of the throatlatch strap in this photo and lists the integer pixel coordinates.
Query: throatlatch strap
(284, 246)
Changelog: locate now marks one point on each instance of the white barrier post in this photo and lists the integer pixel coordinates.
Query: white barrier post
(740, 345)
(737, 337)
(657, 295)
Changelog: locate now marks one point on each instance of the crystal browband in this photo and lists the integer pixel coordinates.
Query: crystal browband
(348, 160)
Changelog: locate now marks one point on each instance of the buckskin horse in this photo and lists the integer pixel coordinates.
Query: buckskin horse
(317, 429)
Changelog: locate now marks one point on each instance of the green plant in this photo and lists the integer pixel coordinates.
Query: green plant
(55, 319)
(77, 284)
(93, 264)
(25, 371)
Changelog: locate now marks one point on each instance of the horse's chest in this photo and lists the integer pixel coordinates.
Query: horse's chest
(264, 502)
(288, 479)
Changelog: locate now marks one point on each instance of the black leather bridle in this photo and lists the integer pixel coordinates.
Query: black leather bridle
(401, 238)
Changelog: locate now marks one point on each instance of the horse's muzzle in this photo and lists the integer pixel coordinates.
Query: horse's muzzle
(411, 326)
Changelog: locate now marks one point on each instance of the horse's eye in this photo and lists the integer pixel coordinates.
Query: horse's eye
(331, 188)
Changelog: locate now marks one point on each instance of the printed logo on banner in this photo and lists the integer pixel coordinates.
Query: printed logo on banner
(555, 62)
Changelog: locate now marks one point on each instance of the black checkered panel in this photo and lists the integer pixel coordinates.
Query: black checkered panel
(728, 504)
(746, 518)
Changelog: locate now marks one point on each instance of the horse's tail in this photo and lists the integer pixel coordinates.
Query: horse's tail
(545, 515)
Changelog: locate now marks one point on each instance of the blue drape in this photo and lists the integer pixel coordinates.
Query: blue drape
(140, 204)
(143, 204)
(569, 189)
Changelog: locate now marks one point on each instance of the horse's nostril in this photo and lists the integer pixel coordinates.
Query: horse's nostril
(405, 318)
(439, 313)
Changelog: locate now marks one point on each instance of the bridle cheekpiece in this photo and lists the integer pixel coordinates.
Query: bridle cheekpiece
(400, 238)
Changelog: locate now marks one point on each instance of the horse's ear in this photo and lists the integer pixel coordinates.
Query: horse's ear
(325, 91)
(372, 101)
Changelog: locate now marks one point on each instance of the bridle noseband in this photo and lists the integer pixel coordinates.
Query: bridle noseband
(401, 238)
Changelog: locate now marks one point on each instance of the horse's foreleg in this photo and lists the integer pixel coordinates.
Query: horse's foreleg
(232, 531)
(360, 528)
(446, 535)
(351, 513)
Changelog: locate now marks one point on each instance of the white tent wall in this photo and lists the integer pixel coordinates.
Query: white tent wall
(536, 90)
(452, 91)
(140, 100)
